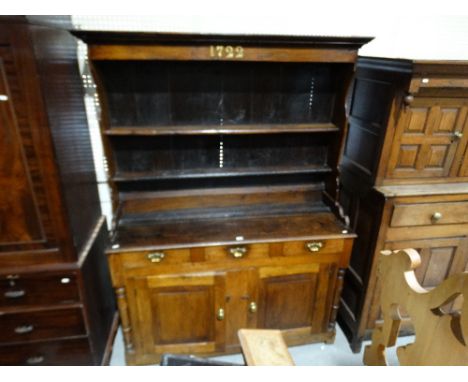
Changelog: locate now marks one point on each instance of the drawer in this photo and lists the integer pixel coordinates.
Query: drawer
(237, 252)
(312, 247)
(38, 289)
(429, 214)
(148, 258)
(41, 325)
(74, 352)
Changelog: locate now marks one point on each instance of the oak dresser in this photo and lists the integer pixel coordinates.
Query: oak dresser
(223, 155)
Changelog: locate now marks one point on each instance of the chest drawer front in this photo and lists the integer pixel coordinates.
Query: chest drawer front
(38, 289)
(74, 352)
(429, 214)
(154, 258)
(41, 325)
(312, 247)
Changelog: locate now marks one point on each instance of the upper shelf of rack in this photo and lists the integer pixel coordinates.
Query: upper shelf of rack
(229, 129)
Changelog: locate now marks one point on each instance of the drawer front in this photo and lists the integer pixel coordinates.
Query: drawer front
(41, 325)
(429, 214)
(49, 353)
(312, 247)
(38, 289)
(152, 258)
(237, 252)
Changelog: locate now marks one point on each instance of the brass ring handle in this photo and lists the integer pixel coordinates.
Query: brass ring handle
(436, 216)
(238, 252)
(35, 360)
(14, 293)
(23, 329)
(253, 307)
(314, 246)
(220, 314)
(155, 257)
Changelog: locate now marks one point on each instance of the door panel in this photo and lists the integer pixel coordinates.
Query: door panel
(429, 139)
(178, 313)
(19, 219)
(295, 297)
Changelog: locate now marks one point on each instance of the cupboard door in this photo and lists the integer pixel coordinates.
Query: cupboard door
(429, 139)
(296, 297)
(178, 313)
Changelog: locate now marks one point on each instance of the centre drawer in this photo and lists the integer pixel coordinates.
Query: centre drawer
(41, 325)
(38, 289)
(416, 214)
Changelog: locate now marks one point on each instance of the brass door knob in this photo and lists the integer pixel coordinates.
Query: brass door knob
(314, 246)
(409, 98)
(436, 216)
(155, 257)
(457, 134)
(220, 314)
(238, 252)
(253, 307)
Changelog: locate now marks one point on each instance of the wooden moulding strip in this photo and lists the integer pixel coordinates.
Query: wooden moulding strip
(189, 52)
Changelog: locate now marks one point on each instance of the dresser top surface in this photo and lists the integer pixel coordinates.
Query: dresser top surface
(424, 189)
(226, 231)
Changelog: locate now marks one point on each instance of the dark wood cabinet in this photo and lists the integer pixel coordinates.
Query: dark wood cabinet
(223, 153)
(56, 300)
(403, 178)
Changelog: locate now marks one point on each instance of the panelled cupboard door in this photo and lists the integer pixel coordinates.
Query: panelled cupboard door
(430, 139)
(296, 297)
(178, 313)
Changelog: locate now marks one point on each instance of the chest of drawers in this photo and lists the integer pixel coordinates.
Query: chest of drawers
(56, 300)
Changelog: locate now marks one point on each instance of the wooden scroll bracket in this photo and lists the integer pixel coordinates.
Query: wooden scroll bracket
(441, 338)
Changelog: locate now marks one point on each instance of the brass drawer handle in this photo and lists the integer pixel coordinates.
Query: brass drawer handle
(35, 360)
(436, 216)
(238, 252)
(14, 293)
(155, 257)
(23, 329)
(220, 314)
(253, 307)
(314, 246)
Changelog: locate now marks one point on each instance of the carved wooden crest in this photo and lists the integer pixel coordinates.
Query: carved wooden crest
(441, 338)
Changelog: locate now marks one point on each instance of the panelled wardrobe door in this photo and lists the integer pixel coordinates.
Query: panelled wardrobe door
(178, 312)
(429, 139)
(20, 224)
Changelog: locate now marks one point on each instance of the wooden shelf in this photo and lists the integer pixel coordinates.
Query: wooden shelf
(219, 173)
(215, 129)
